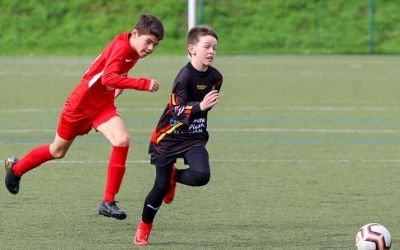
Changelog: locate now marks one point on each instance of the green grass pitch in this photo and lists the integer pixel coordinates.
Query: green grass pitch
(304, 150)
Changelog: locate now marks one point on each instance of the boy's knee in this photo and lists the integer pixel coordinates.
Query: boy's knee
(58, 153)
(122, 140)
(199, 178)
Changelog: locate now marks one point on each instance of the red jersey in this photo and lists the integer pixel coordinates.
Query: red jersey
(108, 72)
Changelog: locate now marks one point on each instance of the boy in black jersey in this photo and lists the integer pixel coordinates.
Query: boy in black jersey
(182, 129)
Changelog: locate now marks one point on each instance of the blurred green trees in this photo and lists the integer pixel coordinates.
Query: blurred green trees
(84, 27)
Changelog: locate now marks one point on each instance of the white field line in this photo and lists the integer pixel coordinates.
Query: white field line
(159, 109)
(25, 131)
(30, 110)
(308, 131)
(39, 73)
(293, 161)
(316, 108)
(241, 130)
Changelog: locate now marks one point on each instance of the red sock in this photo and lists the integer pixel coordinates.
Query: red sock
(33, 159)
(116, 170)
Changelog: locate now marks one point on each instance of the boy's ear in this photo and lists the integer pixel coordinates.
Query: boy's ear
(135, 33)
(191, 49)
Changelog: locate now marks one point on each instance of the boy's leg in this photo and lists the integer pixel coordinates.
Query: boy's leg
(114, 130)
(169, 197)
(156, 195)
(198, 173)
(16, 168)
(152, 204)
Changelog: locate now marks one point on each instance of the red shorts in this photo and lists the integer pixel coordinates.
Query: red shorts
(69, 126)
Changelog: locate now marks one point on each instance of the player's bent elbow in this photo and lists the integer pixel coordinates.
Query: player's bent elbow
(107, 79)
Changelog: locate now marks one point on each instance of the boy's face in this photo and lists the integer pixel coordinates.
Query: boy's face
(204, 51)
(144, 45)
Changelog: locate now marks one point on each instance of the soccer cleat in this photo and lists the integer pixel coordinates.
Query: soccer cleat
(110, 209)
(142, 234)
(169, 197)
(11, 180)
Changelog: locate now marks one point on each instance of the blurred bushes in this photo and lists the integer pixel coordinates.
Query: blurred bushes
(84, 27)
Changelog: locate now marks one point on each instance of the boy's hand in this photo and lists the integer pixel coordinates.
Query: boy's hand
(209, 100)
(118, 92)
(153, 85)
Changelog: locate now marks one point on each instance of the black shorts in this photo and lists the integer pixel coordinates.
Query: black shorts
(197, 158)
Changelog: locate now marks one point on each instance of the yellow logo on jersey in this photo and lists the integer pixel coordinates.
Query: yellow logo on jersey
(201, 86)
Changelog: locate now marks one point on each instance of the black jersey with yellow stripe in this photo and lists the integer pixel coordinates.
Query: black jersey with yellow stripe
(183, 125)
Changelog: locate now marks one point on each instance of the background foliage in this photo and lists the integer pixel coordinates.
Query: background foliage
(84, 27)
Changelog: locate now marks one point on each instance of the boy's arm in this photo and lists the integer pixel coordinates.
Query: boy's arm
(118, 92)
(212, 98)
(217, 86)
(111, 76)
(153, 87)
(179, 107)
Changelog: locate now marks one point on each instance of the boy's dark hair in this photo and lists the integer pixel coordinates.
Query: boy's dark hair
(150, 25)
(194, 34)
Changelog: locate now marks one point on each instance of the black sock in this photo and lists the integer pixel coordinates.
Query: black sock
(153, 202)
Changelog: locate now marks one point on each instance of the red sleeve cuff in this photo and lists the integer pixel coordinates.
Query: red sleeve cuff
(146, 85)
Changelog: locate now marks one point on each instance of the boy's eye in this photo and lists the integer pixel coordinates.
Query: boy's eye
(151, 42)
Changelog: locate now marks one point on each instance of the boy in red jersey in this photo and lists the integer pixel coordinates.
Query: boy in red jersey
(182, 129)
(91, 105)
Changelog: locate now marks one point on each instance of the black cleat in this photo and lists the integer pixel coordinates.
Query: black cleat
(11, 181)
(110, 209)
